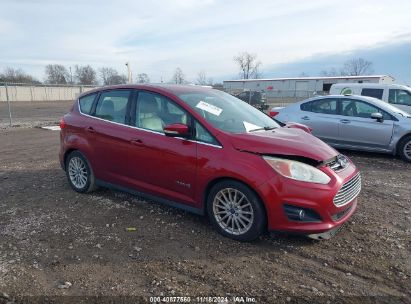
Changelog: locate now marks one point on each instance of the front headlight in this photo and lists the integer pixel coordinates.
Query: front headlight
(297, 170)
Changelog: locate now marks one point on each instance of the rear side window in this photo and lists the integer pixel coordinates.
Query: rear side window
(306, 106)
(112, 105)
(86, 103)
(376, 93)
(401, 97)
(324, 106)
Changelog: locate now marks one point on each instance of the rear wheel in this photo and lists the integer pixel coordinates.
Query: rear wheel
(404, 148)
(79, 173)
(236, 211)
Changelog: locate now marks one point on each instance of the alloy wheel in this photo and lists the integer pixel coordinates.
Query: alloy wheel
(407, 150)
(77, 172)
(233, 211)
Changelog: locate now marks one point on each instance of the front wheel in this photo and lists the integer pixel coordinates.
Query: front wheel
(404, 148)
(236, 211)
(79, 173)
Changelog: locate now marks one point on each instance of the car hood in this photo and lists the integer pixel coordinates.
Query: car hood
(284, 141)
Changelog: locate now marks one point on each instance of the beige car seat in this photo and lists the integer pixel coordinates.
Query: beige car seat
(148, 116)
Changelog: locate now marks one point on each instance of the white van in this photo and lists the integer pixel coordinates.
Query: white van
(395, 94)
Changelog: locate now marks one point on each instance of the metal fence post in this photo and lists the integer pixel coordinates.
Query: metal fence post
(8, 103)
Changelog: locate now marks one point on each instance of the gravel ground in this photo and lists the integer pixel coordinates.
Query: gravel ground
(55, 242)
(30, 114)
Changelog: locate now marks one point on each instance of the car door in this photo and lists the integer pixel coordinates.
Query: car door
(109, 135)
(162, 165)
(358, 129)
(320, 115)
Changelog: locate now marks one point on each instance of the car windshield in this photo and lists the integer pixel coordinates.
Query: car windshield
(227, 112)
(394, 109)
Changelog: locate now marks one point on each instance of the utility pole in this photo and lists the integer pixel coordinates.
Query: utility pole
(130, 76)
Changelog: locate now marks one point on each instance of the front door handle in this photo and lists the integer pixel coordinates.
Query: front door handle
(345, 121)
(305, 118)
(90, 130)
(137, 142)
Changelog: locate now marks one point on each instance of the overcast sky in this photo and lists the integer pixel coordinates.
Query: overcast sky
(158, 36)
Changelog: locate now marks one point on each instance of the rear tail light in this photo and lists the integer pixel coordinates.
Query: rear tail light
(62, 124)
(273, 113)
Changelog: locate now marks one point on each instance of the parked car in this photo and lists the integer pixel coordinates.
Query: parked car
(205, 151)
(353, 122)
(254, 98)
(395, 94)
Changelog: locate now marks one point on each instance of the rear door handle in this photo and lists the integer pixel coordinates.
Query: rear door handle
(305, 118)
(345, 121)
(137, 142)
(90, 130)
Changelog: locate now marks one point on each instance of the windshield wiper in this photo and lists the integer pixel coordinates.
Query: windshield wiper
(263, 128)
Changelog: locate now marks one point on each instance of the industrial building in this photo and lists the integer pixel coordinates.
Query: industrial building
(298, 87)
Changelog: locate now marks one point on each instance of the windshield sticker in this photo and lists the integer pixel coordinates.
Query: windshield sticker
(249, 126)
(209, 108)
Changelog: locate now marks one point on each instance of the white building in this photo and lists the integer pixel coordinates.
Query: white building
(298, 86)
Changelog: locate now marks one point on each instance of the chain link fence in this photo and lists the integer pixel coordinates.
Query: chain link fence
(31, 105)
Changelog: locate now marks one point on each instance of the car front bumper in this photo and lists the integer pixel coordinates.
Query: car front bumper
(319, 212)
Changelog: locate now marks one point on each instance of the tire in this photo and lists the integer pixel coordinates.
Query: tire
(404, 148)
(79, 173)
(242, 221)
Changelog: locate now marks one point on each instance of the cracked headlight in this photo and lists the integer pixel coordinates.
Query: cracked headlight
(297, 170)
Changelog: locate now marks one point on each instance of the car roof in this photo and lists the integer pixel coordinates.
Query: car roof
(371, 85)
(377, 102)
(174, 89)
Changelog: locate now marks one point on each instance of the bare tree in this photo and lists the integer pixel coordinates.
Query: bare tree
(248, 65)
(110, 76)
(329, 73)
(178, 76)
(357, 67)
(203, 80)
(16, 76)
(143, 78)
(56, 74)
(85, 75)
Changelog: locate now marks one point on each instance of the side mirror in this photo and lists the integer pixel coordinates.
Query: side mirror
(377, 116)
(177, 130)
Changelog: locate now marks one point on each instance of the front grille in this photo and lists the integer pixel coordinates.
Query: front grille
(348, 191)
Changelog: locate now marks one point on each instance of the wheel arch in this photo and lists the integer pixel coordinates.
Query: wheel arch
(399, 142)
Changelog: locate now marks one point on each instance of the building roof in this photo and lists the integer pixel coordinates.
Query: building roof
(311, 78)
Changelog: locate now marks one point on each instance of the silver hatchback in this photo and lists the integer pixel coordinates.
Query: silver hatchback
(353, 122)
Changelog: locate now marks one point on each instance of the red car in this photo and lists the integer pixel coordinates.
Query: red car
(209, 153)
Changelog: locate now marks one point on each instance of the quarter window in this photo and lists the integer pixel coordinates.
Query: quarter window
(86, 103)
(376, 93)
(401, 97)
(203, 135)
(112, 105)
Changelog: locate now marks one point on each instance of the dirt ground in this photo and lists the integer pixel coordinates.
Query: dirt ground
(49, 235)
(29, 114)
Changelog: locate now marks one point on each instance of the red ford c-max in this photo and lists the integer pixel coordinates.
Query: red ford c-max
(208, 152)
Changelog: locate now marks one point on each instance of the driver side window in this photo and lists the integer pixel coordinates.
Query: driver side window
(356, 108)
(154, 112)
